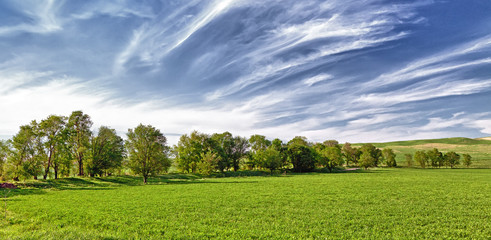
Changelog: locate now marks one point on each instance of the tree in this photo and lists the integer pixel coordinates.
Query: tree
(452, 159)
(331, 143)
(22, 160)
(4, 150)
(467, 160)
(191, 148)
(330, 157)
(279, 146)
(389, 157)
(299, 140)
(50, 138)
(209, 162)
(80, 124)
(225, 148)
(106, 152)
(421, 158)
(373, 151)
(409, 159)
(435, 157)
(349, 153)
(366, 160)
(240, 148)
(148, 151)
(257, 144)
(270, 159)
(301, 157)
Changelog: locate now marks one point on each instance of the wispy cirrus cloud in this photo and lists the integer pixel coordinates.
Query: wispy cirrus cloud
(349, 70)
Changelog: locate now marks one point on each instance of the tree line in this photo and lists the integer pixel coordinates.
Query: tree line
(63, 146)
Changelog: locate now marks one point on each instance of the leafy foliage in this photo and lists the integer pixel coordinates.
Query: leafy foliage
(106, 152)
(147, 151)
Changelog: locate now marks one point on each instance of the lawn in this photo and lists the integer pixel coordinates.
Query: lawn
(376, 204)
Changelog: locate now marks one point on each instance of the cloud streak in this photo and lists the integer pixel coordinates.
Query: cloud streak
(349, 70)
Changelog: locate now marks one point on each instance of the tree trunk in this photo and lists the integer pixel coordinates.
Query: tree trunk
(144, 179)
(80, 165)
(35, 177)
(46, 171)
(56, 171)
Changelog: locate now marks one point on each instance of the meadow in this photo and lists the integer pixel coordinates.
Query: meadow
(381, 203)
(479, 149)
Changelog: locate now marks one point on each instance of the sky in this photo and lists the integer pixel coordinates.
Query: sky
(350, 70)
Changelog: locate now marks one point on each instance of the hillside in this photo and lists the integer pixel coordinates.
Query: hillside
(479, 149)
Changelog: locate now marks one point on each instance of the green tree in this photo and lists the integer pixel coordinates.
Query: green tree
(452, 159)
(191, 148)
(373, 151)
(80, 124)
(22, 160)
(330, 157)
(106, 152)
(435, 157)
(409, 159)
(279, 146)
(331, 143)
(240, 149)
(209, 162)
(301, 157)
(349, 153)
(299, 140)
(389, 157)
(148, 151)
(257, 144)
(366, 160)
(421, 158)
(467, 160)
(4, 151)
(50, 138)
(270, 159)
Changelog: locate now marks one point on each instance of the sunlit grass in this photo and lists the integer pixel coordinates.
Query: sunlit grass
(381, 203)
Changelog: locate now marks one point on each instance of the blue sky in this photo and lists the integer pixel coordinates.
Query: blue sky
(358, 71)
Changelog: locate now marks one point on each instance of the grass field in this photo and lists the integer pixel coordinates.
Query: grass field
(479, 149)
(376, 204)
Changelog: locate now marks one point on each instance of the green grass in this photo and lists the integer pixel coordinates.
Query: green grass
(374, 204)
(479, 149)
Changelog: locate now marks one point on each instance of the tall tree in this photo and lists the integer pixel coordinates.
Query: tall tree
(366, 160)
(4, 150)
(148, 151)
(106, 152)
(421, 158)
(240, 149)
(467, 160)
(373, 151)
(389, 157)
(301, 157)
(435, 157)
(50, 135)
(349, 153)
(80, 124)
(190, 150)
(452, 159)
(23, 160)
(257, 143)
(270, 159)
(330, 157)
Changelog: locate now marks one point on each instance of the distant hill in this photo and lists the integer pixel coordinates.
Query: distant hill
(479, 149)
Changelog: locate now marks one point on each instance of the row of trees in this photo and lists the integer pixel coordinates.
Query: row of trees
(437, 159)
(62, 146)
(199, 152)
